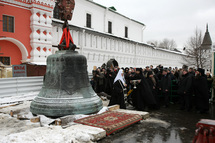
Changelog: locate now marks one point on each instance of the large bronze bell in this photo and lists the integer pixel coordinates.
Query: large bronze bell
(66, 89)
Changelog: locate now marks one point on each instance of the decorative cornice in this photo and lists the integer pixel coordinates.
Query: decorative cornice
(17, 3)
(41, 4)
(41, 7)
(46, 3)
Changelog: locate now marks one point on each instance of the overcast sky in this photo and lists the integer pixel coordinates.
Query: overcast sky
(172, 19)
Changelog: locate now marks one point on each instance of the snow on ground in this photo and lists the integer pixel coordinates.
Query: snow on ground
(23, 108)
(20, 98)
(55, 134)
(10, 125)
(24, 131)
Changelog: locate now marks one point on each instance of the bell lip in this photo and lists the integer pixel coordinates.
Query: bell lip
(72, 107)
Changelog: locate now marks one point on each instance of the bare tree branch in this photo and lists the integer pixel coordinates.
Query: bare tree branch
(196, 56)
(165, 44)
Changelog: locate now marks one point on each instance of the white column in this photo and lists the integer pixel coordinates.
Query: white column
(41, 36)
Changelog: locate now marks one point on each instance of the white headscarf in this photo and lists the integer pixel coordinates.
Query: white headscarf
(120, 77)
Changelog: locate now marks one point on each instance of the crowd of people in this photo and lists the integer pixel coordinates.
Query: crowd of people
(146, 85)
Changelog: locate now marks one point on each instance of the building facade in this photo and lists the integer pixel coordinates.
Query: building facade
(90, 29)
(30, 28)
(25, 34)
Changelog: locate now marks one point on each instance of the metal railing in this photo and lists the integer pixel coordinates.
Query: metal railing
(19, 85)
(173, 90)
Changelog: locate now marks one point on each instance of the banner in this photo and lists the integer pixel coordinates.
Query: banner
(19, 70)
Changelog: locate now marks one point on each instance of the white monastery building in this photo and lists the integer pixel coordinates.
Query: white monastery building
(104, 34)
(32, 27)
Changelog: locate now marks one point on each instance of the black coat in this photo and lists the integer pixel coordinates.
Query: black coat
(185, 85)
(117, 96)
(110, 76)
(142, 95)
(165, 83)
(200, 88)
(153, 87)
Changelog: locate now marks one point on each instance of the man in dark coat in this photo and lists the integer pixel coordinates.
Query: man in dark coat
(191, 71)
(159, 73)
(142, 96)
(176, 73)
(200, 88)
(185, 90)
(165, 86)
(172, 77)
(110, 76)
(153, 84)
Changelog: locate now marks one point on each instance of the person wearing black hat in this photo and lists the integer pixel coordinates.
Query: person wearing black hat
(201, 91)
(142, 95)
(165, 86)
(185, 90)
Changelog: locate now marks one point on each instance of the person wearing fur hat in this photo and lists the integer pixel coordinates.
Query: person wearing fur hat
(200, 88)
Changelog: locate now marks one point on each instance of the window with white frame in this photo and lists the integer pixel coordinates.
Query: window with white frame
(8, 23)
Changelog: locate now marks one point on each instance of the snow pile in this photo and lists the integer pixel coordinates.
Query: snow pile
(20, 98)
(23, 108)
(24, 131)
(55, 134)
(10, 125)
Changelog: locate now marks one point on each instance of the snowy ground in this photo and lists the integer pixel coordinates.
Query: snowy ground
(54, 134)
(25, 131)
(44, 131)
(17, 99)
